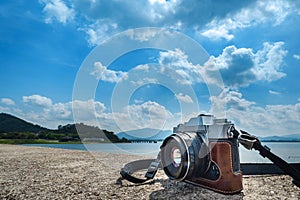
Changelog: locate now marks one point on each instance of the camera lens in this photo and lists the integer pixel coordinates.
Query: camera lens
(176, 157)
(182, 156)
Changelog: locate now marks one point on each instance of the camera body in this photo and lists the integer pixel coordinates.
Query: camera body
(204, 152)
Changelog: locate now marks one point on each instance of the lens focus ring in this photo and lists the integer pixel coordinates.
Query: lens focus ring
(180, 155)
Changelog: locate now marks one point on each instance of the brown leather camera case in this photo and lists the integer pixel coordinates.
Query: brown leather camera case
(229, 181)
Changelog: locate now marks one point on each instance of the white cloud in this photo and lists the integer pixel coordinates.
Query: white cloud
(269, 61)
(268, 120)
(172, 66)
(149, 114)
(218, 32)
(144, 81)
(7, 101)
(99, 31)
(99, 19)
(141, 115)
(89, 109)
(60, 111)
(274, 92)
(184, 98)
(58, 10)
(229, 99)
(51, 115)
(4, 109)
(144, 68)
(257, 120)
(102, 73)
(37, 100)
(125, 12)
(240, 67)
(142, 35)
(269, 11)
(138, 101)
(102, 18)
(297, 57)
(107, 17)
(176, 65)
(261, 121)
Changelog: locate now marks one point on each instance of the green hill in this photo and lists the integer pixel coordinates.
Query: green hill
(14, 128)
(9, 123)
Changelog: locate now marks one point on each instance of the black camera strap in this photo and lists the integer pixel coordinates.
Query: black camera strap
(252, 142)
(128, 169)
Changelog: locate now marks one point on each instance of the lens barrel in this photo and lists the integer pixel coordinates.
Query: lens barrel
(184, 155)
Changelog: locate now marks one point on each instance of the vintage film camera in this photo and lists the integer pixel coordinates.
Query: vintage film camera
(204, 151)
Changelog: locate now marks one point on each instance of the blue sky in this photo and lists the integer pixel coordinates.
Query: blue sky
(253, 45)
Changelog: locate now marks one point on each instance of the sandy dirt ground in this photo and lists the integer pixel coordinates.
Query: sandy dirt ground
(48, 173)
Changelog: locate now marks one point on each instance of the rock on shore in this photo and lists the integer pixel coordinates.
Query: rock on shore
(48, 173)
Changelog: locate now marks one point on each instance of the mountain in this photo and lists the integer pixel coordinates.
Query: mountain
(145, 134)
(284, 138)
(9, 123)
(154, 134)
(295, 136)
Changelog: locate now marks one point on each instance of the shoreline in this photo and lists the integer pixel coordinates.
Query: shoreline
(44, 141)
(50, 173)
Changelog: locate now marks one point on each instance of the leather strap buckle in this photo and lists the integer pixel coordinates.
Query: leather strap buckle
(152, 170)
(247, 140)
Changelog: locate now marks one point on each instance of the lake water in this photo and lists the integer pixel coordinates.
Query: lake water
(289, 151)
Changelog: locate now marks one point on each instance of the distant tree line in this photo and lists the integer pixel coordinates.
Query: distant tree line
(12, 127)
(17, 135)
(66, 133)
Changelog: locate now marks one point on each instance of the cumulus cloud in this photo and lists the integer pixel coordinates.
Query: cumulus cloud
(99, 19)
(184, 98)
(102, 73)
(58, 10)
(240, 67)
(149, 114)
(102, 18)
(61, 111)
(268, 120)
(269, 11)
(176, 65)
(172, 65)
(87, 110)
(155, 12)
(269, 61)
(5, 109)
(109, 17)
(100, 30)
(44, 112)
(261, 121)
(37, 100)
(7, 101)
(145, 34)
(229, 99)
(144, 68)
